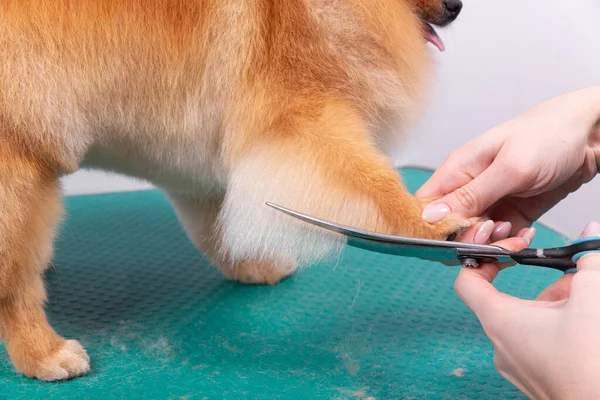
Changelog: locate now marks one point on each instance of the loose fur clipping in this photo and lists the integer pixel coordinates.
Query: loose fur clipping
(224, 104)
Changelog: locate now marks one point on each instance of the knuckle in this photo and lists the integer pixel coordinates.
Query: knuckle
(468, 197)
(518, 171)
(453, 160)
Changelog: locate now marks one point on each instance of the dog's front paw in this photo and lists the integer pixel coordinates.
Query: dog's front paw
(257, 273)
(453, 228)
(70, 361)
(450, 228)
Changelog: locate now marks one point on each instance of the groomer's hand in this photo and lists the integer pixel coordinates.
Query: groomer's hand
(520, 169)
(550, 347)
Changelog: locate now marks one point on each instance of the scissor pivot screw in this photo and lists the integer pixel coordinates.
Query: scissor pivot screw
(470, 263)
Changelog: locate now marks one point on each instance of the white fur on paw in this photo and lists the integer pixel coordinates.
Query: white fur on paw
(69, 362)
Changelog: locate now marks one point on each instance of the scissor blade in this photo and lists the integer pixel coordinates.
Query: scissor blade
(446, 255)
(431, 250)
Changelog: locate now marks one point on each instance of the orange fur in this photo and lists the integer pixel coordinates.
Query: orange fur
(225, 105)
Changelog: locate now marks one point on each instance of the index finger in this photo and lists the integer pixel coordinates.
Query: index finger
(447, 178)
(460, 167)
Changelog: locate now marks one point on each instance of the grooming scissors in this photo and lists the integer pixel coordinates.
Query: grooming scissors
(468, 255)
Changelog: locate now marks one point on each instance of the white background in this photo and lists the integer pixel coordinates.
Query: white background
(502, 56)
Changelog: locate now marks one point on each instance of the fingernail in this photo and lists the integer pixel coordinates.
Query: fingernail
(591, 229)
(501, 232)
(528, 235)
(436, 212)
(484, 232)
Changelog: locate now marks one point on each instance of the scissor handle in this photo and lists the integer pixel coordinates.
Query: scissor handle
(560, 258)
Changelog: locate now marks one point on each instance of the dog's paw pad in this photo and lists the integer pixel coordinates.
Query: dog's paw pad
(256, 273)
(70, 361)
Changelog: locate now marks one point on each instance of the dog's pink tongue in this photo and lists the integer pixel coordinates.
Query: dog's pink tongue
(433, 37)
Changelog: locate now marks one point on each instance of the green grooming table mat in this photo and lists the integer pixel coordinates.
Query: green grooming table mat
(160, 322)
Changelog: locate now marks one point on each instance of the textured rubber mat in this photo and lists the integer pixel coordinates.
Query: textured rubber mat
(160, 322)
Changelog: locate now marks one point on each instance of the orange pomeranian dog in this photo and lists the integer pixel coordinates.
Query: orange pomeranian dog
(223, 104)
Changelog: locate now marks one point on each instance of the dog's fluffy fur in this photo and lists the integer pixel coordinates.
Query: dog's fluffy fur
(224, 104)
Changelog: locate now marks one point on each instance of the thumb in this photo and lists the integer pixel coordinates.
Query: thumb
(475, 197)
(474, 286)
(559, 290)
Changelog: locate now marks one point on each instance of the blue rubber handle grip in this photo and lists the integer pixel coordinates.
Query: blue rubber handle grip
(577, 256)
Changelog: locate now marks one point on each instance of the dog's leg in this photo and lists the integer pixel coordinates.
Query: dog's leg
(327, 168)
(30, 209)
(198, 216)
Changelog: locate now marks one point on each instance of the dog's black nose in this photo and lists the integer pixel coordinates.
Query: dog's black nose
(453, 7)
